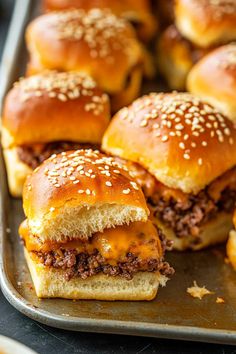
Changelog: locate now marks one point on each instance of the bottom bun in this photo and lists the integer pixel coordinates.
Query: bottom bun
(212, 232)
(231, 248)
(17, 171)
(50, 283)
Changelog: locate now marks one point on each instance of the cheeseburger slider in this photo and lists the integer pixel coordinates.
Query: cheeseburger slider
(87, 234)
(214, 78)
(182, 152)
(49, 113)
(95, 42)
(231, 244)
(137, 12)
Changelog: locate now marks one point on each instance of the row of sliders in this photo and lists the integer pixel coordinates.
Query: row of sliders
(197, 28)
(86, 212)
(105, 198)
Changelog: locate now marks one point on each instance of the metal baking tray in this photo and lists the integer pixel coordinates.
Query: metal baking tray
(173, 314)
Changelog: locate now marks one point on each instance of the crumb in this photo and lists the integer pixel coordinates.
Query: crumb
(65, 314)
(19, 283)
(198, 292)
(220, 300)
(226, 260)
(8, 230)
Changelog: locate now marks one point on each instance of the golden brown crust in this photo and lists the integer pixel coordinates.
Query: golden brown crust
(137, 12)
(55, 106)
(79, 178)
(214, 78)
(94, 42)
(177, 137)
(206, 22)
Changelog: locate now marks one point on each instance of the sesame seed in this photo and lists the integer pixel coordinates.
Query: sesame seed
(200, 161)
(126, 191)
(108, 183)
(186, 156)
(164, 138)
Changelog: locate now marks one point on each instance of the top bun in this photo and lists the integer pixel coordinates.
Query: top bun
(137, 12)
(96, 42)
(206, 22)
(183, 141)
(214, 78)
(52, 107)
(78, 193)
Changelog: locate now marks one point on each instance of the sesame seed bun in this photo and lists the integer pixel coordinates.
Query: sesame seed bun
(206, 22)
(137, 12)
(75, 194)
(177, 137)
(175, 57)
(214, 78)
(54, 107)
(96, 42)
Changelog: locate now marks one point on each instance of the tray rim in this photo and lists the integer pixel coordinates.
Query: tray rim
(11, 50)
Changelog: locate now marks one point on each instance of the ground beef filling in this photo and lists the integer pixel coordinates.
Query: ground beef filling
(185, 215)
(85, 265)
(186, 218)
(34, 155)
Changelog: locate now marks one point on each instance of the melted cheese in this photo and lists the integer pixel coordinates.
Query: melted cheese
(113, 244)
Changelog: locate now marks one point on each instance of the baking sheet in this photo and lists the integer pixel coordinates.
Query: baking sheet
(173, 314)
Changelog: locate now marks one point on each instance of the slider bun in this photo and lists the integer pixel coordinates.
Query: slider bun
(206, 22)
(214, 78)
(59, 207)
(137, 12)
(54, 106)
(96, 42)
(17, 171)
(50, 283)
(177, 137)
(175, 57)
(212, 232)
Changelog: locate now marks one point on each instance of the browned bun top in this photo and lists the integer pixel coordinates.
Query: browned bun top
(138, 12)
(95, 41)
(55, 106)
(214, 78)
(183, 141)
(79, 179)
(206, 22)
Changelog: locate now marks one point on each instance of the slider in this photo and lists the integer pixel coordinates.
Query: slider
(95, 42)
(49, 113)
(214, 78)
(182, 152)
(87, 234)
(138, 13)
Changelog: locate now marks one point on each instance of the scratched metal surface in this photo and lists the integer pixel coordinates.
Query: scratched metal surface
(174, 314)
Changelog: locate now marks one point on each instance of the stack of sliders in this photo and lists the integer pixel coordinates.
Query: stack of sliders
(95, 42)
(138, 13)
(200, 26)
(182, 152)
(50, 113)
(87, 234)
(214, 78)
